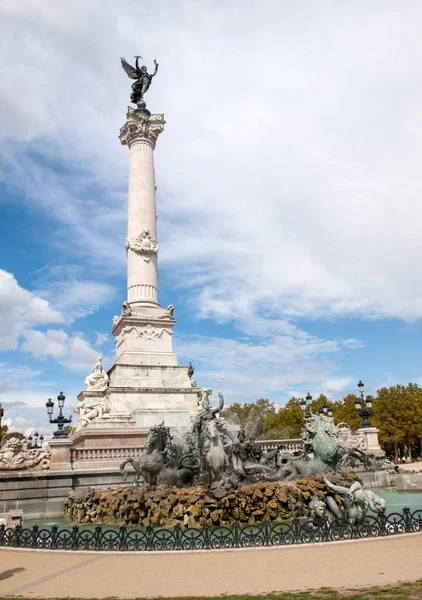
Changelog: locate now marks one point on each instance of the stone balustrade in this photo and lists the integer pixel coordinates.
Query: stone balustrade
(289, 445)
(105, 454)
(120, 453)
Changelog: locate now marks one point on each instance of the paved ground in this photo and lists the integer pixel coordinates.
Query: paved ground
(54, 574)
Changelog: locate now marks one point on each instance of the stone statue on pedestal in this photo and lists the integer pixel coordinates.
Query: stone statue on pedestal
(91, 409)
(98, 379)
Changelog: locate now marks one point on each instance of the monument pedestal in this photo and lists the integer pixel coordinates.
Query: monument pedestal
(371, 441)
(60, 454)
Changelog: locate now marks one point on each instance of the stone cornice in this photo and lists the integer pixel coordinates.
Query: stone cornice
(160, 320)
(141, 127)
(153, 390)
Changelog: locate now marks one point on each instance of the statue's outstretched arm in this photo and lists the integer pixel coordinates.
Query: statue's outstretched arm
(156, 68)
(220, 406)
(336, 488)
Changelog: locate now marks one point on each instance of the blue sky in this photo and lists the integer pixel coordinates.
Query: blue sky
(288, 194)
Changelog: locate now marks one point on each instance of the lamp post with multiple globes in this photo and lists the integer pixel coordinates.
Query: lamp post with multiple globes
(305, 404)
(60, 419)
(363, 406)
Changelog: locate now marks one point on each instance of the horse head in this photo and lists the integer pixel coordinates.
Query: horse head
(158, 438)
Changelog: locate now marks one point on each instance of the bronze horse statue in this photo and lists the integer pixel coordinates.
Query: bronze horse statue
(159, 465)
(152, 461)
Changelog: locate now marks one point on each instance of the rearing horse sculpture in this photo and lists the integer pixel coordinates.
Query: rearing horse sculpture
(152, 461)
(321, 435)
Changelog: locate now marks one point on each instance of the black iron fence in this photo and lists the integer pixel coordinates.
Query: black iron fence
(297, 531)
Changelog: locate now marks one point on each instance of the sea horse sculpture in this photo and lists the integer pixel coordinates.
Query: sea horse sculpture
(321, 438)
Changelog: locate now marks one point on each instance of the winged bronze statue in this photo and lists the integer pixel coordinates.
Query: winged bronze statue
(143, 80)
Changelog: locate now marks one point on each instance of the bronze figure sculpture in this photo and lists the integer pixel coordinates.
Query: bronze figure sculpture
(142, 83)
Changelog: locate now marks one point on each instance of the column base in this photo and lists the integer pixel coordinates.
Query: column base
(60, 454)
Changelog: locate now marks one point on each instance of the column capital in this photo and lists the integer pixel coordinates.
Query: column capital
(141, 127)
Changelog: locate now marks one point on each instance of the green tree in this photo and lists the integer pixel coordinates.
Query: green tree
(397, 412)
(344, 411)
(287, 422)
(3, 430)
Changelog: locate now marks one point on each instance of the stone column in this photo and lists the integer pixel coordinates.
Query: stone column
(140, 134)
(143, 331)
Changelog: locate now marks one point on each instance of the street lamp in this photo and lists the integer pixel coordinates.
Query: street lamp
(305, 403)
(60, 420)
(326, 410)
(363, 406)
(34, 439)
(1, 413)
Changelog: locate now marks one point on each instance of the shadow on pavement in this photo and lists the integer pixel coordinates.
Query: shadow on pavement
(11, 572)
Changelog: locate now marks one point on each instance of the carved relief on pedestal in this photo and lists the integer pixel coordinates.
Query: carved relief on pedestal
(349, 439)
(159, 315)
(144, 244)
(148, 332)
(14, 454)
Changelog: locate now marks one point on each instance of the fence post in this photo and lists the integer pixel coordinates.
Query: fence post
(35, 536)
(177, 536)
(266, 528)
(54, 532)
(75, 537)
(206, 531)
(17, 535)
(122, 538)
(382, 521)
(296, 529)
(407, 519)
(2, 530)
(236, 531)
(98, 537)
(150, 537)
(326, 528)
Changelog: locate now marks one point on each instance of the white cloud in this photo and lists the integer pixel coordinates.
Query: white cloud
(11, 377)
(288, 177)
(77, 298)
(20, 309)
(102, 338)
(253, 369)
(72, 351)
(334, 385)
(290, 154)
